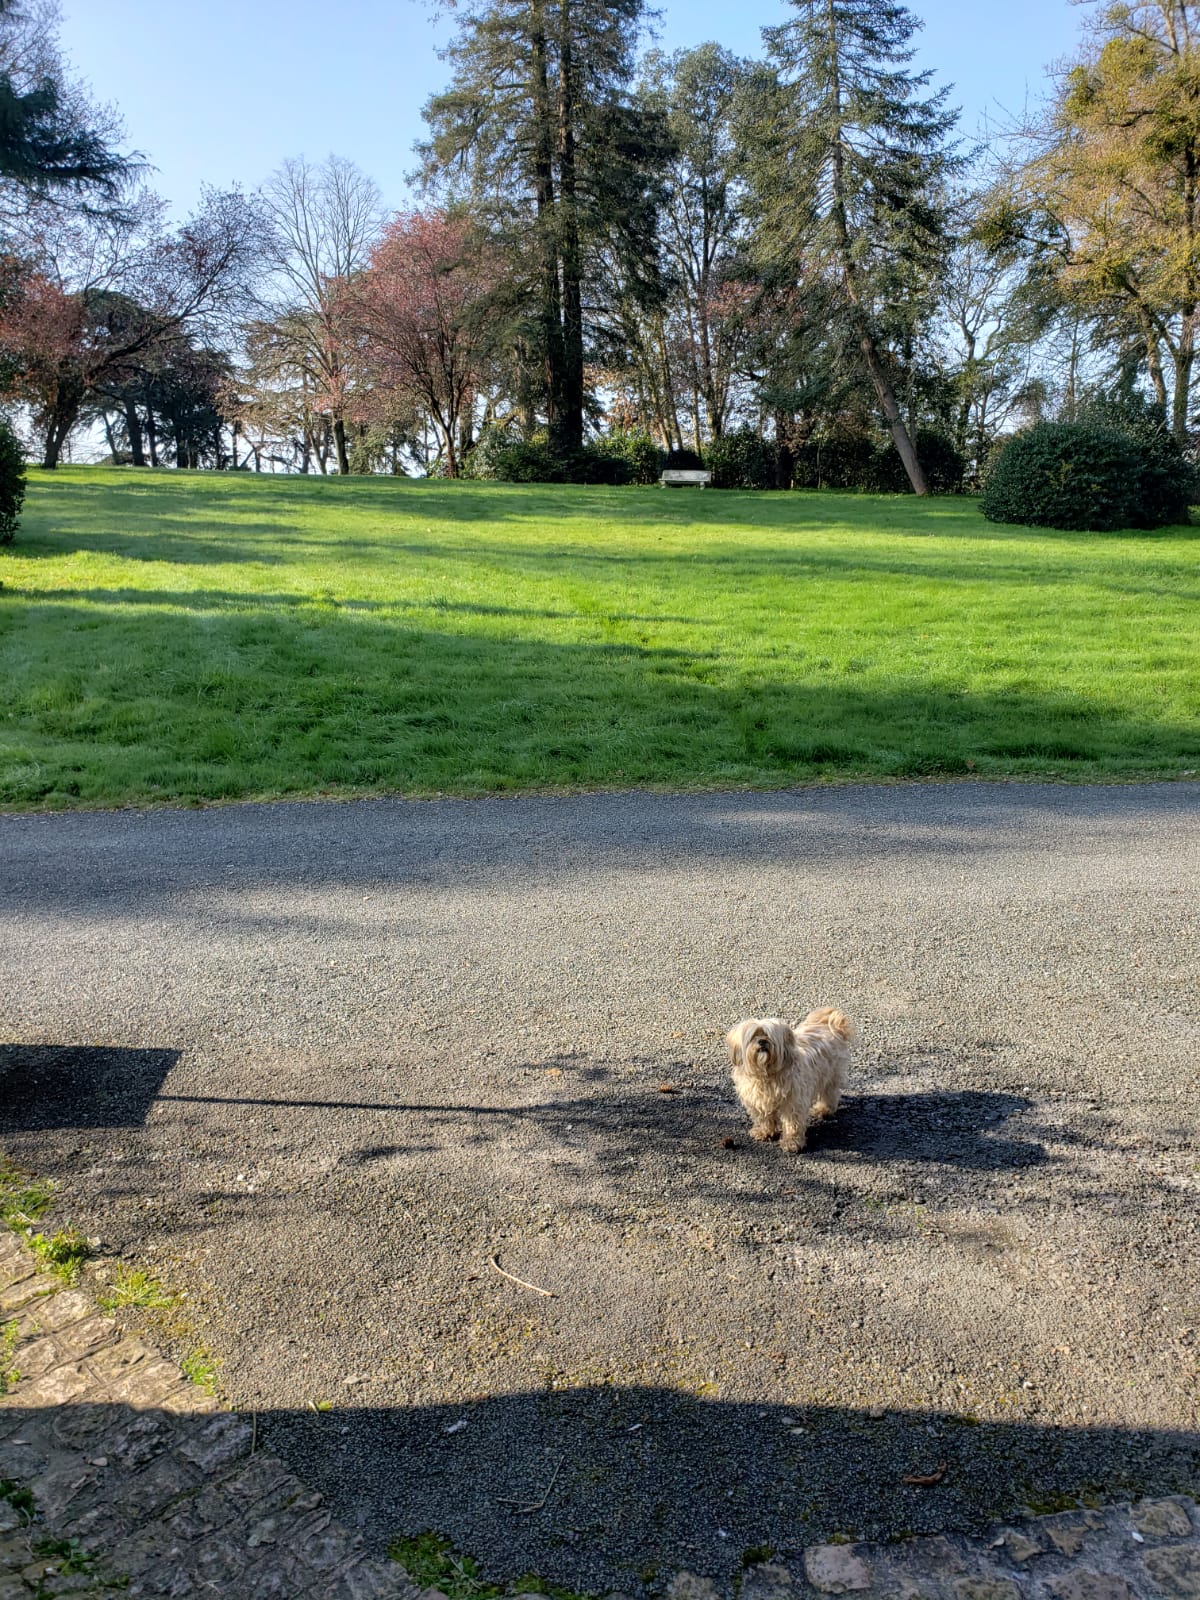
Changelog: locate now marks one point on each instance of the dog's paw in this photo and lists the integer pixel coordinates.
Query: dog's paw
(761, 1131)
(792, 1146)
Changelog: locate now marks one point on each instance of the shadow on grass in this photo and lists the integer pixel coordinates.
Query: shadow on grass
(319, 604)
(596, 1489)
(198, 519)
(120, 701)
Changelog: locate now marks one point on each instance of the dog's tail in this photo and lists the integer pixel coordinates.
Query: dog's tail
(837, 1021)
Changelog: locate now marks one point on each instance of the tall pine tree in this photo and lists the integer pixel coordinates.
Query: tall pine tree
(539, 131)
(850, 155)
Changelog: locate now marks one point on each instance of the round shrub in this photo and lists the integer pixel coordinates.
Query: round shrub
(12, 482)
(741, 460)
(684, 461)
(1075, 475)
(1168, 480)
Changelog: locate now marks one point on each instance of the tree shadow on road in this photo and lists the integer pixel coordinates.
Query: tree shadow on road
(606, 1488)
(49, 1088)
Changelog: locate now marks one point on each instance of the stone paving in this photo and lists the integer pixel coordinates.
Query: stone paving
(141, 1479)
(119, 1478)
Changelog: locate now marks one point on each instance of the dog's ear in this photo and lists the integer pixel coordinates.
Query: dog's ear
(734, 1040)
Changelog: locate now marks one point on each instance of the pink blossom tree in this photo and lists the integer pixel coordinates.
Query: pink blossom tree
(426, 317)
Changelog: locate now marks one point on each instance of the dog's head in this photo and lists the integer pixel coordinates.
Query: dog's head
(760, 1044)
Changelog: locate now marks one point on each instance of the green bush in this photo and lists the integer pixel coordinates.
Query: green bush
(943, 466)
(1168, 486)
(644, 458)
(837, 461)
(1168, 480)
(532, 462)
(741, 460)
(873, 464)
(12, 482)
(595, 464)
(536, 462)
(1077, 475)
(684, 461)
(480, 461)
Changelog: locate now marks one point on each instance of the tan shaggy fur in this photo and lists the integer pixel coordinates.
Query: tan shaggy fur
(788, 1077)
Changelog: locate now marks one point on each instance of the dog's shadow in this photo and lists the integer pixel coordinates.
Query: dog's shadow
(960, 1128)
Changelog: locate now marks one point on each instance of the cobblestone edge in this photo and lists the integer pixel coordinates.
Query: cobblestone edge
(153, 1486)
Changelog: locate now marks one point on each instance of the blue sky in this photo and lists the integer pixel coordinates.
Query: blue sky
(245, 83)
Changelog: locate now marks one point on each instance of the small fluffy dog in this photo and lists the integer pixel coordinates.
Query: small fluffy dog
(788, 1077)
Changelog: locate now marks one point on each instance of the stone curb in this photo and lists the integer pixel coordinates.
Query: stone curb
(159, 1491)
(1146, 1551)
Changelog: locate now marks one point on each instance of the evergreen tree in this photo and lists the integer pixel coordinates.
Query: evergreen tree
(539, 131)
(849, 154)
(45, 140)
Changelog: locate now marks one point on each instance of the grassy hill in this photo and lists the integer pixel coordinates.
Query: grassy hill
(182, 636)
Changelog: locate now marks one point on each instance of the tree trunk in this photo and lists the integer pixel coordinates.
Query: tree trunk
(1154, 364)
(62, 418)
(1185, 357)
(550, 315)
(339, 441)
(887, 402)
(152, 437)
(570, 421)
(877, 371)
(133, 427)
(55, 438)
(785, 456)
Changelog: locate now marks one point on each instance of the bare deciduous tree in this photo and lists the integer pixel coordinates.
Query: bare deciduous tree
(323, 223)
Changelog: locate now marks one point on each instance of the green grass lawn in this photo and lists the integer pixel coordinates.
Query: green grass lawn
(182, 636)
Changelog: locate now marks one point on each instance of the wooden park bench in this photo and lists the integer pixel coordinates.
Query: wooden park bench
(673, 477)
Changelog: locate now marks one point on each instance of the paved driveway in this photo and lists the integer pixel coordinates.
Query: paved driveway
(325, 1064)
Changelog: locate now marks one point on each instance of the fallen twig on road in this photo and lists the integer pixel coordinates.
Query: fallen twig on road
(493, 1261)
(926, 1480)
(525, 1508)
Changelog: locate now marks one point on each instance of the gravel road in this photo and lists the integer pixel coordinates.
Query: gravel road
(323, 1065)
